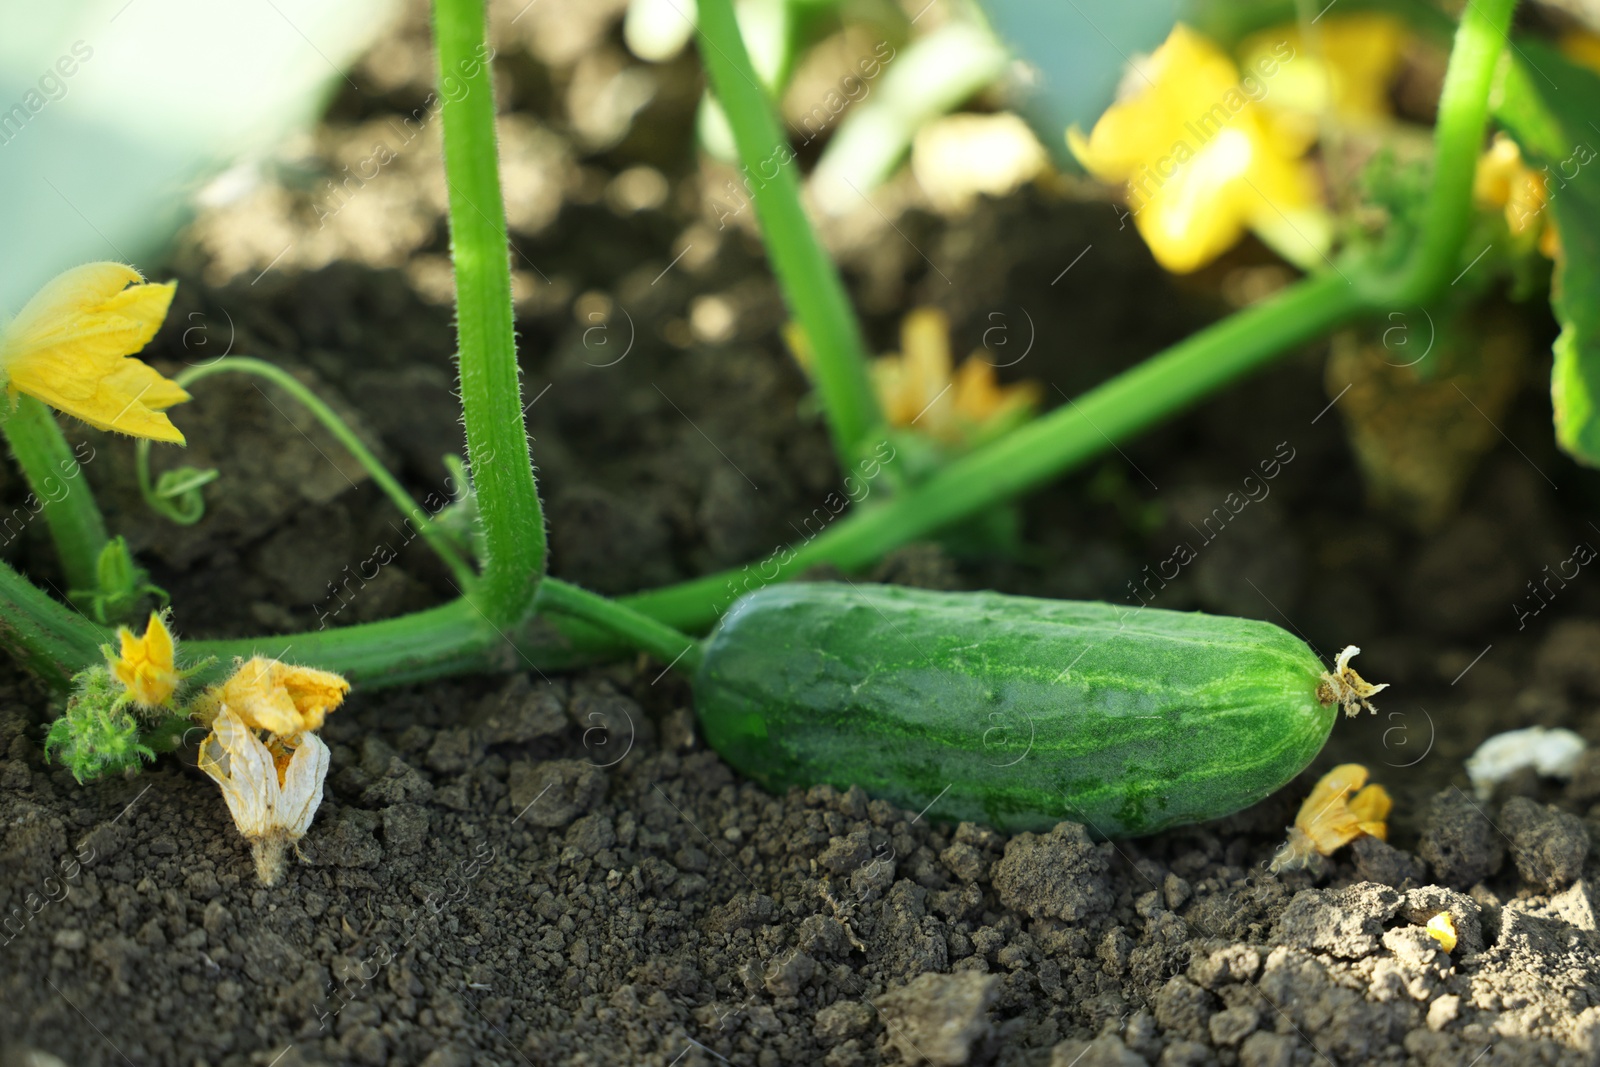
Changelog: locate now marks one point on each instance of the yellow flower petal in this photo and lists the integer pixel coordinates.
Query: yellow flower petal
(145, 666)
(1443, 930)
(1201, 160)
(1331, 819)
(1371, 808)
(1582, 47)
(70, 345)
(280, 698)
(1346, 67)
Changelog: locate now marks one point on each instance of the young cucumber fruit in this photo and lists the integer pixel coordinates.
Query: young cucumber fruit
(1012, 711)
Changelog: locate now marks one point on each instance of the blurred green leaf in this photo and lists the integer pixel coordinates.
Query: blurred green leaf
(1078, 51)
(1548, 104)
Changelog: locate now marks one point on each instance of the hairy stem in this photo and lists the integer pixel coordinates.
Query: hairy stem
(491, 394)
(59, 489)
(811, 285)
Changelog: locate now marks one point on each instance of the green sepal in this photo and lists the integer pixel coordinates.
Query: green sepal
(120, 585)
(97, 735)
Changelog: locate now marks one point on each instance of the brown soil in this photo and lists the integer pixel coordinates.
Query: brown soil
(531, 869)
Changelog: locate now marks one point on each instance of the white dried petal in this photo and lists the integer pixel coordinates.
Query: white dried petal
(270, 816)
(242, 766)
(302, 786)
(1552, 753)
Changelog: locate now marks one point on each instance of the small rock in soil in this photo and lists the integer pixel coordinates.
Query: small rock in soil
(554, 792)
(1227, 966)
(1424, 903)
(1548, 845)
(405, 826)
(1264, 1049)
(1346, 922)
(1101, 1052)
(1378, 861)
(840, 1020)
(522, 711)
(1585, 784)
(1183, 1008)
(1459, 842)
(936, 1018)
(1058, 875)
(346, 842)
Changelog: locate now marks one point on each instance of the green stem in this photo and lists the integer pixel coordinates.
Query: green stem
(491, 395)
(810, 283)
(1042, 449)
(464, 574)
(45, 636)
(1458, 141)
(55, 477)
(668, 645)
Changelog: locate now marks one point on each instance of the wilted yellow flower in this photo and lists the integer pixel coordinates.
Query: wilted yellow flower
(1341, 808)
(1503, 180)
(1202, 160)
(919, 388)
(145, 665)
(1443, 930)
(281, 698)
(271, 791)
(1344, 69)
(70, 346)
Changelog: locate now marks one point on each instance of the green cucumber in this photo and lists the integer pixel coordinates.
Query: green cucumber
(1013, 711)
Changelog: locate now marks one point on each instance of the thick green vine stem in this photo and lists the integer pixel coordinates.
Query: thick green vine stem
(59, 489)
(660, 640)
(465, 576)
(810, 282)
(491, 394)
(1480, 40)
(44, 635)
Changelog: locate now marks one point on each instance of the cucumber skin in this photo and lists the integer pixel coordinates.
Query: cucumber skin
(1031, 711)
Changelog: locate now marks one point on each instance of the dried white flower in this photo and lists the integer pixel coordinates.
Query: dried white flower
(1344, 685)
(272, 791)
(1553, 753)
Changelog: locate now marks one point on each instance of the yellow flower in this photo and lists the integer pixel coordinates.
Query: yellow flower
(70, 345)
(1345, 68)
(1503, 180)
(1341, 808)
(1202, 161)
(272, 791)
(146, 665)
(281, 698)
(1443, 930)
(1582, 47)
(919, 388)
